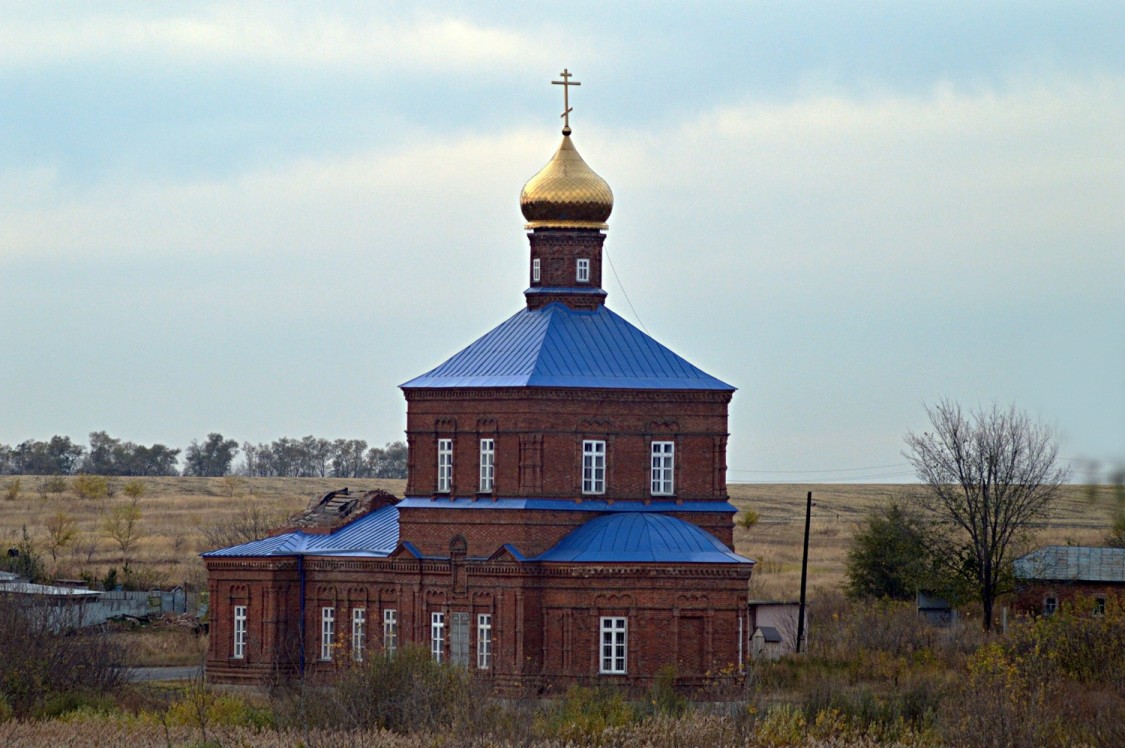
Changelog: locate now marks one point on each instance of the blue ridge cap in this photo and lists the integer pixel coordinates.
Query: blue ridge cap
(640, 537)
(556, 346)
(565, 505)
(372, 535)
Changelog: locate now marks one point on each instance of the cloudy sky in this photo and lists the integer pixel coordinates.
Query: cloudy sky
(261, 218)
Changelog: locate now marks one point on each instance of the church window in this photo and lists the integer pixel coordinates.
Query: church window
(239, 631)
(583, 275)
(327, 632)
(593, 467)
(390, 631)
(444, 465)
(487, 464)
(359, 633)
(535, 272)
(437, 635)
(484, 641)
(663, 462)
(615, 645)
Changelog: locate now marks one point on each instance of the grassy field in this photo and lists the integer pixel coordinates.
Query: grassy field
(176, 513)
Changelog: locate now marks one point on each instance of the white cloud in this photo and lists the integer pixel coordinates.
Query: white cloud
(272, 34)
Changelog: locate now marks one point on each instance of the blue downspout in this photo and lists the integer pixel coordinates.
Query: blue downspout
(301, 620)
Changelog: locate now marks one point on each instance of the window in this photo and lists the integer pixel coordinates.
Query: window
(390, 631)
(615, 643)
(327, 632)
(1050, 605)
(583, 275)
(444, 465)
(487, 464)
(535, 270)
(359, 633)
(239, 631)
(1099, 606)
(437, 635)
(593, 467)
(484, 641)
(663, 459)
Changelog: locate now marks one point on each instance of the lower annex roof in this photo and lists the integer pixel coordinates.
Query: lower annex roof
(617, 537)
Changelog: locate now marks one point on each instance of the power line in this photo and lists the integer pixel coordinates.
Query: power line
(625, 293)
(836, 470)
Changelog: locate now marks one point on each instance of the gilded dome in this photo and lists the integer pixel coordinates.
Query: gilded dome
(566, 193)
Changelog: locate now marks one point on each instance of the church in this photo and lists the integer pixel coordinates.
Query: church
(565, 518)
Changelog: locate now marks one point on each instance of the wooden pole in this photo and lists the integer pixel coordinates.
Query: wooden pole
(804, 576)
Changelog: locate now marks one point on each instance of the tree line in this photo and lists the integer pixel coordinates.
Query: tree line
(215, 455)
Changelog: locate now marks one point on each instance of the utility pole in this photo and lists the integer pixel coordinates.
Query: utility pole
(804, 576)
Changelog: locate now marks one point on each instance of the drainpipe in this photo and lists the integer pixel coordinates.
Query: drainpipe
(301, 619)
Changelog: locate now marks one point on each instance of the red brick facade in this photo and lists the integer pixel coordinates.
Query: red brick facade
(465, 551)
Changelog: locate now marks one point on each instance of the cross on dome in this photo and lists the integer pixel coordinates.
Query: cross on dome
(566, 83)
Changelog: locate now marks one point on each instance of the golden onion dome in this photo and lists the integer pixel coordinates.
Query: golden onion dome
(566, 193)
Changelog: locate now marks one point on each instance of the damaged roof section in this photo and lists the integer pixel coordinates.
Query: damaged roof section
(333, 526)
(336, 509)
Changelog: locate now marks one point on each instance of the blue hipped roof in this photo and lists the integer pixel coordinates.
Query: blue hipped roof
(556, 346)
(640, 537)
(375, 534)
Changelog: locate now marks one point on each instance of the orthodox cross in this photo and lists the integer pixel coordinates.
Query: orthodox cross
(566, 83)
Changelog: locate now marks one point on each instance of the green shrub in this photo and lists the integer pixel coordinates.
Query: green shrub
(747, 519)
(59, 704)
(586, 714)
(90, 486)
(662, 695)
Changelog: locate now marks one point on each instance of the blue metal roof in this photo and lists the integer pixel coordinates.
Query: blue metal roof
(374, 534)
(565, 505)
(1072, 563)
(556, 346)
(640, 537)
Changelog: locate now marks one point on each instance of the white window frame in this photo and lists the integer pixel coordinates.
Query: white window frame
(663, 464)
(487, 465)
(484, 641)
(593, 466)
(359, 633)
(613, 645)
(444, 465)
(437, 636)
(582, 271)
(390, 631)
(239, 632)
(1050, 605)
(536, 272)
(327, 632)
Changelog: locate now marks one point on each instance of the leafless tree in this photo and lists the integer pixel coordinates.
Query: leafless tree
(989, 476)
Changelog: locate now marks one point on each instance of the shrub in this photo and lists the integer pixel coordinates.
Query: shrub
(53, 484)
(90, 486)
(12, 490)
(134, 489)
(39, 661)
(586, 714)
(405, 692)
(747, 519)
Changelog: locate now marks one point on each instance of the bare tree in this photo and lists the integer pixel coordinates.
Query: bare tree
(122, 525)
(989, 475)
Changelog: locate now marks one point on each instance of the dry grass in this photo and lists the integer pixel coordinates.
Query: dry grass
(1083, 516)
(175, 512)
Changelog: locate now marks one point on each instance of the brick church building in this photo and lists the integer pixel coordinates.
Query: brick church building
(566, 514)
